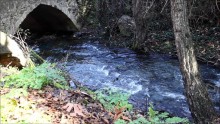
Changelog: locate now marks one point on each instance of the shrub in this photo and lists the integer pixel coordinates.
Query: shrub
(154, 117)
(112, 99)
(140, 120)
(37, 77)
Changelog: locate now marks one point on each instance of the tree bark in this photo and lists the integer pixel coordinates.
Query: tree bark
(198, 99)
(140, 10)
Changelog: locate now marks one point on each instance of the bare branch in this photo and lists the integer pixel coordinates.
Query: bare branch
(164, 6)
(216, 2)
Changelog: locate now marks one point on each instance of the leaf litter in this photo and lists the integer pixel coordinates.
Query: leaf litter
(66, 106)
(72, 106)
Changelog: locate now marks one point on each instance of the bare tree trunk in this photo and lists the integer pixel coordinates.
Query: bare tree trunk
(140, 13)
(102, 11)
(198, 99)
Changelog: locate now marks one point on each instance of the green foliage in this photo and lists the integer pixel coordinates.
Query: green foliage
(113, 99)
(8, 70)
(140, 120)
(37, 77)
(16, 93)
(156, 117)
(120, 121)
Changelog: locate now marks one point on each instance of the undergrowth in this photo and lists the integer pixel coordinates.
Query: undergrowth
(37, 77)
(46, 74)
(154, 117)
(19, 109)
(113, 99)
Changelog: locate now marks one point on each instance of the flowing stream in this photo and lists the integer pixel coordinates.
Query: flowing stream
(149, 78)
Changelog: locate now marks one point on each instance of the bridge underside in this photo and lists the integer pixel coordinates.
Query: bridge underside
(46, 18)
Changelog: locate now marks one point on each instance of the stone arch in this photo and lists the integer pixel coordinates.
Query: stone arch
(45, 18)
(12, 14)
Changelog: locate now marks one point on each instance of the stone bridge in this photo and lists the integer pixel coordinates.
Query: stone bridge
(39, 15)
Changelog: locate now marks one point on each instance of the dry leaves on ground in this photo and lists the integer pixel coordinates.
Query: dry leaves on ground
(70, 106)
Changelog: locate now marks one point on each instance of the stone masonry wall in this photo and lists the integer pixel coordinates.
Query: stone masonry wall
(13, 12)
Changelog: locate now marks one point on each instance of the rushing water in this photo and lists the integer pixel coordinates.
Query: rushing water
(149, 78)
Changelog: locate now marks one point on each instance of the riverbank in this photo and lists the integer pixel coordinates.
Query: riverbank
(48, 104)
(33, 102)
(51, 105)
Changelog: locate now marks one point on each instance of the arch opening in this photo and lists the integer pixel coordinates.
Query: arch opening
(48, 19)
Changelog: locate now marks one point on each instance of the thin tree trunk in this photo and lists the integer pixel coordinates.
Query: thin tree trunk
(103, 12)
(140, 21)
(140, 18)
(198, 99)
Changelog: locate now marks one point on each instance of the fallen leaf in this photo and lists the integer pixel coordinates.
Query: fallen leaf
(73, 114)
(68, 107)
(78, 110)
(65, 107)
(4, 91)
(63, 94)
(49, 96)
(118, 113)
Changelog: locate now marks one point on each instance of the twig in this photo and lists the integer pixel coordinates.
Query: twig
(216, 2)
(37, 56)
(148, 7)
(23, 45)
(164, 6)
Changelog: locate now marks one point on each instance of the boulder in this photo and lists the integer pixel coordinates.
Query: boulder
(10, 52)
(126, 25)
